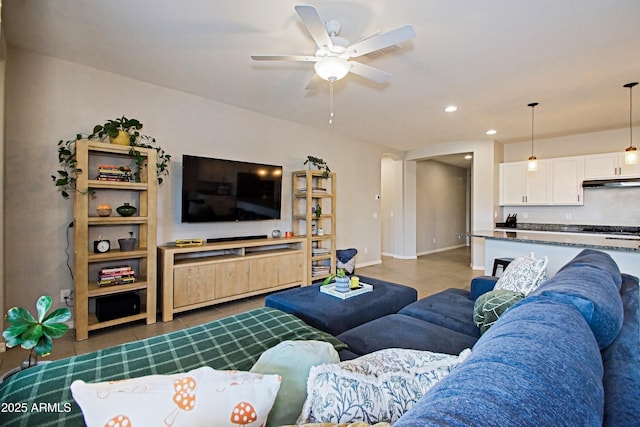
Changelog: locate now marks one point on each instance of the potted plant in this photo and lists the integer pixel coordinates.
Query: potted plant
(122, 131)
(127, 244)
(341, 279)
(35, 335)
(318, 164)
(318, 211)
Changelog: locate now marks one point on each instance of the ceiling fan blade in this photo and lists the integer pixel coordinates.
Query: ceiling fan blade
(368, 72)
(314, 24)
(315, 83)
(381, 41)
(297, 58)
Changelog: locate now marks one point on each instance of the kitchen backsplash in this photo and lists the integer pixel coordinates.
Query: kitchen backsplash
(602, 206)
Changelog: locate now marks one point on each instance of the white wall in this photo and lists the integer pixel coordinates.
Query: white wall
(601, 206)
(441, 206)
(48, 99)
(484, 193)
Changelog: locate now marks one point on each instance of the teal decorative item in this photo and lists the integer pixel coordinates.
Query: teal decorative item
(126, 210)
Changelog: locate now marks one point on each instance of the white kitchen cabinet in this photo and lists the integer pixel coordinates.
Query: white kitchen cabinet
(608, 165)
(566, 180)
(518, 186)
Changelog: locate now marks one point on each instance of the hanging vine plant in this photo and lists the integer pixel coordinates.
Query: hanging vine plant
(123, 131)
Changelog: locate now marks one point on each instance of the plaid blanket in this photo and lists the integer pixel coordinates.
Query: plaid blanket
(40, 396)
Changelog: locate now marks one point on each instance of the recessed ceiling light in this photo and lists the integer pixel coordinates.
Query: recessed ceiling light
(491, 132)
(468, 157)
(451, 109)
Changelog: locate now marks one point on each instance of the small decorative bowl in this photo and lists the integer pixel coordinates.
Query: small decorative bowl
(103, 210)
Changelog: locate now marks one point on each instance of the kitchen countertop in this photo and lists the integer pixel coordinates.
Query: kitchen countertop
(627, 243)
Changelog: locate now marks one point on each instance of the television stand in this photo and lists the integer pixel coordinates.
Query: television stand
(199, 276)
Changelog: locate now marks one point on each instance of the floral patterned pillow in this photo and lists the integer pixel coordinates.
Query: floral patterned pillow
(524, 274)
(378, 387)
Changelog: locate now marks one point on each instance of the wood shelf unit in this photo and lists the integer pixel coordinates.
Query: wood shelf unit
(89, 155)
(306, 224)
(199, 276)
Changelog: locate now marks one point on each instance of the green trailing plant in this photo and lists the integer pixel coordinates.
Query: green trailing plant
(67, 176)
(36, 335)
(318, 211)
(339, 273)
(319, 164)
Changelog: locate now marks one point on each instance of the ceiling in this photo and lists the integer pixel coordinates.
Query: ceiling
(490, 58)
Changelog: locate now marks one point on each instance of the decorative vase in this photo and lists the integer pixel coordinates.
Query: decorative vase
(342, 284)
(126, 210)
(121, 139)
(127, 245)
(103, 210)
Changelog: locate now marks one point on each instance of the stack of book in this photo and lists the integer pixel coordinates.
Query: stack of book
(119, 275)
(313, 190)
(320, 270)
(114, 173)
(319, 251)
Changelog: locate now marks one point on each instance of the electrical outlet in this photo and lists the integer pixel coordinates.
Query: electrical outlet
(65, 294)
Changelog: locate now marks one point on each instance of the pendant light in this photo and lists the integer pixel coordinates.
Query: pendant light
(532, 164)
(630, 154)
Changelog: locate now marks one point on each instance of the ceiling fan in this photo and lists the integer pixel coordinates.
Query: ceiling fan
(333, 55)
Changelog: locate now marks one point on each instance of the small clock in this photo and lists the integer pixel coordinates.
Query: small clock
(101, 246)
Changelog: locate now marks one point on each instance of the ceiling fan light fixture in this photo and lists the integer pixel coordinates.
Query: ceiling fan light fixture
(332, 68)
(630, 153)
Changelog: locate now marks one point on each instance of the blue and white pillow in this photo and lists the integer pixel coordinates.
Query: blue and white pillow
(377, 387)
(524, 274)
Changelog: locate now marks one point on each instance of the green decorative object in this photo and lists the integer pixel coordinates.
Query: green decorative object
(66, 177)
(318, 164)
(340, 273)
(126, 210)
(36, 335)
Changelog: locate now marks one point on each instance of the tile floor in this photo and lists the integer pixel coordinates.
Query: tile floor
(428, 274)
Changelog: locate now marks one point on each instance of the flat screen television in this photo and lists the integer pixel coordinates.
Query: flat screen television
(216, 190)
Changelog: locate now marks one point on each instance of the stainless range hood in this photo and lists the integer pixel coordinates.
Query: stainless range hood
(611, 183)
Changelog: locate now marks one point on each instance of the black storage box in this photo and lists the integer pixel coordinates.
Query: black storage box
(116, 306)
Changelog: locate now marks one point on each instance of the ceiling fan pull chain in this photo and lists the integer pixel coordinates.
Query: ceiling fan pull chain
(331, 102)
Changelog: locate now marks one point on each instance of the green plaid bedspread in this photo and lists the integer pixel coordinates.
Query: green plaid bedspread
(40, 396)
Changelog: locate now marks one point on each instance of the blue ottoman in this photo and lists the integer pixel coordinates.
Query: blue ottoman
(334, 315)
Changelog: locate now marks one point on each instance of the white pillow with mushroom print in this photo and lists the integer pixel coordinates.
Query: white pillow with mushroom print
(201, 397)
(524, 274)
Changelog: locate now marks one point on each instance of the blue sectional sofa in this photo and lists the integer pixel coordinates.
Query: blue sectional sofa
(567, 354)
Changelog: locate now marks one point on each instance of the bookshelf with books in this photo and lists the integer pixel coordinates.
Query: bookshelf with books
(107, 177)
(314, 218)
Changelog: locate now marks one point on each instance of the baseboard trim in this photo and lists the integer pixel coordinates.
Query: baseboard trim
(369, 263)
(448, 248)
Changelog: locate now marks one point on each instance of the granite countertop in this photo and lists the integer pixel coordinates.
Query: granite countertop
(628, 243)
(575, 228)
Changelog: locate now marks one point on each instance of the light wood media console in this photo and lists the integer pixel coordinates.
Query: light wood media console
(198, 276)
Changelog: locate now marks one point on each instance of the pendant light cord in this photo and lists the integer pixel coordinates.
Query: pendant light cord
(532, 105)
(630, 86)
(631, 115)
